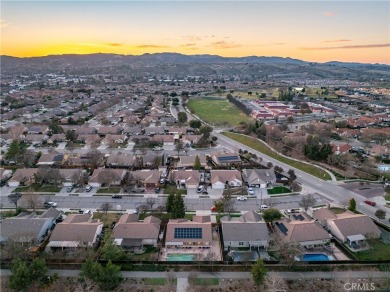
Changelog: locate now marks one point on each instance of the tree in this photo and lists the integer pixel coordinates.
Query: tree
(284, 250)
(178, 209)
(14, 151)
(106, 207)
(94, 158)
(278, 169)
(295, 187)
(151, 201)
(292, 174)
(24, 275)
(182, 117)
(179, 147)
(91, 270)
(380, 214)
(31, 199)
(290, 119)
(271, 214)
(170, 202)
(71, 135)
(110, 277)
(219, 206)
(269, 165)
(307, 201)
(107, 176)
(195, 124)
(227, 201)
(38, 270)
(46, 175)
(352, 205)
(109, 250)
(259, 272)
(157, 160)
(14, 198)
(55, 128)
(197, 164)
(205, 131)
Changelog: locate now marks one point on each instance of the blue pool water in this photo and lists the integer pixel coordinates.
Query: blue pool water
(316, 257)
(180, 257)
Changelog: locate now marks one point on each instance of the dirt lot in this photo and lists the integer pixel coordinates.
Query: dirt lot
(367, 190)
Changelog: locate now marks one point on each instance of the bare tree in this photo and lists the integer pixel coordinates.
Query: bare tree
(157, 160)
(106, 207)
(150, 201)
(286, 251)
(95, 158)
(160, 209)
(16, 132)
(179, 147)
(79, 178)
(307, 201)
(14, 198)
(227, 200)
(46, 175)
(275, 283)
(31, 199)
(107, 176)
(142, 208)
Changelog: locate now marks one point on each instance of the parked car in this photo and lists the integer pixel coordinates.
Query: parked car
(162, 180)
(371, 203)
(292, 211)
(241, 198)
(200, 189)
(87, 212)
(213, 209)
(250, 191)
(88, 189)
(49, 204)
(116, 196)
(157, 190)
(158, 149)
(137, 190)
(264, 207)
(69, 189)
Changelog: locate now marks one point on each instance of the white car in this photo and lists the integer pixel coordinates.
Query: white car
(250, 191)
(200, 189)
(50, 204)
(241, 198)
(264, 207)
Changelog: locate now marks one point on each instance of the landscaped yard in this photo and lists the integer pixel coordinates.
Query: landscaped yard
(173, 190)
(206, 281)
(337, 210)
(379, 251)
(107, 219)
(217, 111)
(387, 197)
(149, 255)
(39, 188)
(278, 190)
(260, 146)
(111, 190)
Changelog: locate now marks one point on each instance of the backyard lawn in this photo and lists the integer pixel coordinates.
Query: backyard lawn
(337, 210)
(217, 111)
(379, 251)
(39, 188)
(259, 145)
(278, 190)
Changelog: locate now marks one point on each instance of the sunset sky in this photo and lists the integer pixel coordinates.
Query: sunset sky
(309, 30)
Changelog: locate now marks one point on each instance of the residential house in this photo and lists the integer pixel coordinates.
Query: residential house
(189, 161)
(151, 131)
(56, 138)
(223, 178)
(106, 130)
(71, 175)
(188, 140)
(133, 234)
(90, 139)
(106, 176)
(5, 174)
(135, 130)
(22, 176)
(52, 159)
(348, 227)
(258, 178)
(248, 230)
(226, 159)
(25, 228)
(166, 140)
(146, 177)
(185, 178)
(84, 130)
(109, 140)
(38, 129)
(185, 234)
(35, 139)
(340, 149)
(301, 229)
(77, 230)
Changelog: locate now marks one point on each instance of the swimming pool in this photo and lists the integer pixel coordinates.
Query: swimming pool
(178, 257)
(320, 257)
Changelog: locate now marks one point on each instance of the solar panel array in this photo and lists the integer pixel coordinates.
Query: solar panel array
(298, 217)
(182, 232)
(58, 157)
(226, 158)
(282, 228)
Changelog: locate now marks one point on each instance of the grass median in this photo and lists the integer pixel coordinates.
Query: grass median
(260, 146)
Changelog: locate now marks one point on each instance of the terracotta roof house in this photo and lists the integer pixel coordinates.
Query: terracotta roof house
(185, 178)
(340, 149)
(77, 230)
(226, 159)
(182, 233)
(248, 230)
(110, 139)
(105, 130)
(22, 176)
(167, 140)
(189, 161)
(303, 231)
(146, 177)
(26, 228)
(258, 178)
(99, 177)
(348, 226)
(221, 178)
(89, 139)
(131, 233)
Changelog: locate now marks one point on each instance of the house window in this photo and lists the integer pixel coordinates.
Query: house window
(240, 243)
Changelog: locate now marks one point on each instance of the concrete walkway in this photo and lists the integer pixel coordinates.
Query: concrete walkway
(182, 284)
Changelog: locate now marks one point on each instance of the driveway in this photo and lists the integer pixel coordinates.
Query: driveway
(61, 146)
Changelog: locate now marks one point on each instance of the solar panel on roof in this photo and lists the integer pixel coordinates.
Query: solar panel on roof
(282, 228)
(300, 217)
(190, 232)
(58, 157)
(225, 158)
(295, 217)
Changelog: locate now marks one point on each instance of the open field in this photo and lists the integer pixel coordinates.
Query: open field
(217, 111)
(261, 147)
(278, 190)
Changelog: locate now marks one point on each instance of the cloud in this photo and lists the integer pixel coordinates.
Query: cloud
(225, 45)
(147, 46)
(279, 44)
(348, 47)
(329, 13)
(188, 45)
(337, 41)
(191, 37)
(101, 45)
(114, 45)
(3, 23)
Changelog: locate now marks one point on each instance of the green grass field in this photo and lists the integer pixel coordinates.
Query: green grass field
(217, 111)
(111, 190)
(261, 147)
(378, 251)
(278, 190)
(206, 281)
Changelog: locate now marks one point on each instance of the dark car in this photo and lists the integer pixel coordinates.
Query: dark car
(205, 193)
(157, 191)
(116, 197)
(371, 203)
